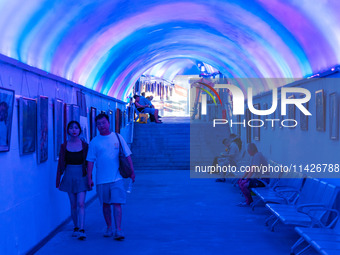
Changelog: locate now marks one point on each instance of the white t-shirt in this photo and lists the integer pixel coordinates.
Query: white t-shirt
(104, 150)
(233, 149)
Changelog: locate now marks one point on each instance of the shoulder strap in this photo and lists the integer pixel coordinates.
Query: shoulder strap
(120, 145)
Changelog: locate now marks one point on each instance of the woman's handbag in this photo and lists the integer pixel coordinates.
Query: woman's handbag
(124, 166)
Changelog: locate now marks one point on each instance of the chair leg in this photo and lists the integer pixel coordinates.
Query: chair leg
(303, 250)
(298, 242)
(257, 201)
(273, 225)
(271, 217)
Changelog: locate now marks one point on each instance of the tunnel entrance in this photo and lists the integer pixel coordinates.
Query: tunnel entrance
(168, 86)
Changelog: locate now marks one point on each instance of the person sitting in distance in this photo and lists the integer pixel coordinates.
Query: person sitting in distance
(253, 179)
(144, 107)
(231, 156)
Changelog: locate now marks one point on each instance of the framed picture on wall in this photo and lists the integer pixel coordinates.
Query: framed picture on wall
(334, 116)
(271, 123)
(72, 112)
(67, 119)
(58, 126)
(248, 128)
(111, 119)
(118, 120)
(6, 116)
(85, 130)
(93, 129)
(75, 112)
(303, 117)
(256, 130)
(27, 125)
(239, 126)
(124, 119)
(42, 129)
(320, 114)
(279, 113)
(81, 102)
(291, 110)
(129, 113)
(264, 117)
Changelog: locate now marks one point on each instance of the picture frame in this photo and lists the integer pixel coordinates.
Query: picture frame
(85, 130)
(93, 129)
(248, 128)
(27, 125)
(118, 120)
(272, 124)
(129, 114)
(42, 129)
(334, 116)
(67, 119)
(279, 112)
(265, 107)
(320, 108)
(124, 119)
(72, 113)
(76, 113)
(256, 130)
(303, 117)
(239, 126)
(291, 110)
(6, 117)
(110, 113)
(58, 126)
(81, 102)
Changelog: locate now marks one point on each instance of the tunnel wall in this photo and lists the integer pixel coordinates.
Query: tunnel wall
(30, 205)
(293, 145)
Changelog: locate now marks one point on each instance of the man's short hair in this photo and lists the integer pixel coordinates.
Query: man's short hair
(102, 115)
(135, 96)
(229, 139)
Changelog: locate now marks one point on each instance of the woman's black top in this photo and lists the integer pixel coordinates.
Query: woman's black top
(74, 158)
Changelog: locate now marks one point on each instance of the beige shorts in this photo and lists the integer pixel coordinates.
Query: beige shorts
(112, 193)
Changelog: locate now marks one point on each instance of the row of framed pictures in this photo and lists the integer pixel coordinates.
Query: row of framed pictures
(33, 122)
(320, 115)
(117, 120)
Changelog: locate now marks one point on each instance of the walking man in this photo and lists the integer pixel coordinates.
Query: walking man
(104, 150)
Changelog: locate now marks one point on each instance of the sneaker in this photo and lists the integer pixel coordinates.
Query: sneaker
(119, 235)
(75, 232)
(82, 235)
(108, 232)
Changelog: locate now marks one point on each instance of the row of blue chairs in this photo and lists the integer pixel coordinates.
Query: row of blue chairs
(307, 204)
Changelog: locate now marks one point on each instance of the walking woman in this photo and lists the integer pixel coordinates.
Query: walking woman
(72, 163)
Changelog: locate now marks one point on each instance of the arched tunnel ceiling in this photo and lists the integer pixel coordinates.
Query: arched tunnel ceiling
(106, 45)
(167, 70)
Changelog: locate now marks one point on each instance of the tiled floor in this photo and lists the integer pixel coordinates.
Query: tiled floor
(169, 213)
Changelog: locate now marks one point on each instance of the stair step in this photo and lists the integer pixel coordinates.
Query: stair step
(157, 147)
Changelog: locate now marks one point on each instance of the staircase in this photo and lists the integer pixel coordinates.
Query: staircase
(162, 146)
